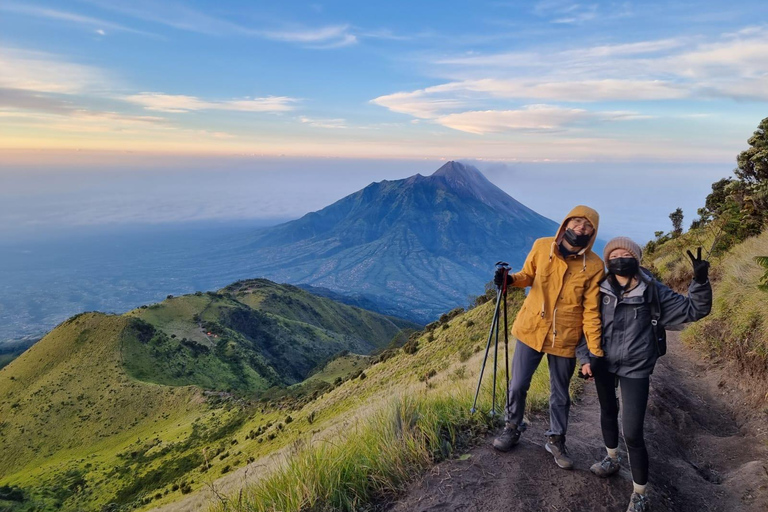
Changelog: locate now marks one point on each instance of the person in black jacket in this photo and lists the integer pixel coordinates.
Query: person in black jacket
(632, 301)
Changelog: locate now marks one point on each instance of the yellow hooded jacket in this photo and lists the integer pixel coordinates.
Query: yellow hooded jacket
(564, 300)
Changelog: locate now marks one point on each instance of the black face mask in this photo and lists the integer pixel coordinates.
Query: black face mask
(575, 240)
(625, 267)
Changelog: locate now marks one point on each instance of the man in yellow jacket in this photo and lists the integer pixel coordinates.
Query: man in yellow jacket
(563, 303)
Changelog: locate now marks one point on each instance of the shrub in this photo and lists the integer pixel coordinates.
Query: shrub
(411, 347)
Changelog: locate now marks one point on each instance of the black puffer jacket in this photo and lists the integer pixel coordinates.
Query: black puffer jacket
(628, 339)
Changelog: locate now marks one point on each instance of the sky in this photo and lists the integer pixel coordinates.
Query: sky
(316, 97)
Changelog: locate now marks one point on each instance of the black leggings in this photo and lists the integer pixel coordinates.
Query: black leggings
(634, 395)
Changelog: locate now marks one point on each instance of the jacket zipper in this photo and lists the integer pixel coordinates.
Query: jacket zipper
(554, 326)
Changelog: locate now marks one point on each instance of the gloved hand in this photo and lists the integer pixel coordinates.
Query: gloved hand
(498, 277)
(700, 267)
(596, 364)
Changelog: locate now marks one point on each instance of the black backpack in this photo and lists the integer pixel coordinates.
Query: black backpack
(659, 333)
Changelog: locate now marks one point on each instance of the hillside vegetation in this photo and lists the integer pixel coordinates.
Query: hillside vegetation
(737, 327)
(411, 410)
(68, 408)
(732, 224)
(249, 336)
(126, 444)
(102, 411)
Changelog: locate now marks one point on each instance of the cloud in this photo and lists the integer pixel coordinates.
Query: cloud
(325, 37)
(181, 17)
(173, 14)
(491, 88)
(536, 118)
(43, 72)
(42, 12)
(421, 103)
(177, 103)
(530, 118)
(21, 99)
(324, 123)
(454, 97)
(568, 12)
(559, 11)
(745, 57)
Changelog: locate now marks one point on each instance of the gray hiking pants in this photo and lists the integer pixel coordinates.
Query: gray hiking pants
(524, 362)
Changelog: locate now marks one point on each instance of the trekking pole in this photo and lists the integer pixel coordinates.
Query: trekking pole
(506, 332)
(495, 360)
(503, 290)
(494, 323)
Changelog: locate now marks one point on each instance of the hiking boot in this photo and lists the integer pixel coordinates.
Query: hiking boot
(556, 446)
(605, 467)
(638, 503)
(509, 437)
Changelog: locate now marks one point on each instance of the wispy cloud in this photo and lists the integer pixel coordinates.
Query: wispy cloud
(69, 17)
(426, 102)
(422, 103)
(530, 118)
(325, 37)
(181, 16)
(177, 103)
(569, 12)
(172, 14)
(324, 123)
(44, 72)
(734, 65)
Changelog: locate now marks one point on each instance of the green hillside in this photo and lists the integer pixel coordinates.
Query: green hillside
(80, 433)
(106, 408)
(733, 225)
(249, 337)
(737, 327)
(68, 408)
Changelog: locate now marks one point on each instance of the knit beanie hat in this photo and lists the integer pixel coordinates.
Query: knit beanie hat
(623, 242)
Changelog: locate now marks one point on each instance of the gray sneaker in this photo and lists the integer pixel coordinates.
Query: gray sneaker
(605, 467)
(556, 446)
(509, 437)
(638, 503)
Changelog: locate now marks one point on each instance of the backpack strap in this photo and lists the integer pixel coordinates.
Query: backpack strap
(659, 333)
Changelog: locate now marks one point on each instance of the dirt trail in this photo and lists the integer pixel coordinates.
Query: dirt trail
(706, 454)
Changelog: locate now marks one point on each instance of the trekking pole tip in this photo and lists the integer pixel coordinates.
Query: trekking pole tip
(472, 410)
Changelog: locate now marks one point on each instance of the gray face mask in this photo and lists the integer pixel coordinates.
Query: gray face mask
(575, 240)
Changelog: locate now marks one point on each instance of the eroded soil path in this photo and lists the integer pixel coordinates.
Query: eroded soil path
(708, 448)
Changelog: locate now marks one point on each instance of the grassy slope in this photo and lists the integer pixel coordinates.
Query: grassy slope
(441, 375)
(165, 442)
(340, 368)
(296, 304)
(76, 379)
(261, 334)
(67, 403)
(738, 324)
(737, 328)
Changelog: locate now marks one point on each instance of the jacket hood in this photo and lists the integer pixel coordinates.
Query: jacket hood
(581, 211)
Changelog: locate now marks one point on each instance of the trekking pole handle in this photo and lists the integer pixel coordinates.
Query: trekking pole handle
(503, 265)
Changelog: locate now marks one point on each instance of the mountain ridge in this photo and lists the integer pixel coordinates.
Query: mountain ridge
(416, 247)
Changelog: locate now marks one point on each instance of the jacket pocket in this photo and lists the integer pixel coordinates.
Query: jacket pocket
(568, 327)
